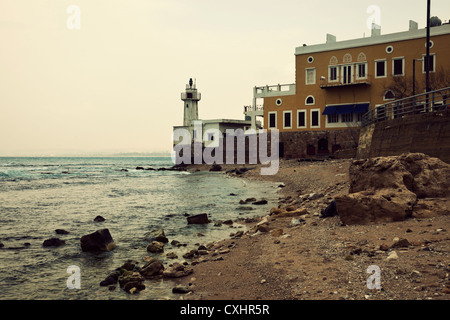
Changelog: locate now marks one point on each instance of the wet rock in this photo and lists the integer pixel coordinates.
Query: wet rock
(177, 270)
(53, 242)
(140, 168)
(99, 219)
(191, 254)
(172, 255)
(155, 247)
(152, 268)
(100, 240)
(157, 235)
(61, 231)
(198, 219)
(129, 280)
(260, 202)
(111, 279)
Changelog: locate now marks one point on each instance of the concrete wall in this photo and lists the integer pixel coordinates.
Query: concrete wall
(427, 133)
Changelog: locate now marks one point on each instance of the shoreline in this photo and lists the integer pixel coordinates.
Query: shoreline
(302, 256)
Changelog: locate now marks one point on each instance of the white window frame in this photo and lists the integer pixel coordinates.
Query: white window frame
(403, 66)
(337, 73)
(306, 120)
(268, 120)
(357, 70)
(306, 76)
(385, 93)
(385, 68)
(284, 119)
(424, 56)
(311, 118)
(310, 104)
(352, 73)
(336, 116)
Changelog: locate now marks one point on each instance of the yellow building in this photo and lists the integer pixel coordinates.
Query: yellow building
(338, 81)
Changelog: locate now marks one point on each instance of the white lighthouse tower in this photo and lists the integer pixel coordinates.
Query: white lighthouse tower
(190, 98)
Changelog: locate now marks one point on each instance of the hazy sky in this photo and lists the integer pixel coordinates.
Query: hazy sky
(114, 83)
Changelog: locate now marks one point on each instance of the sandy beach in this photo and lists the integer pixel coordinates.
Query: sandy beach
(306, 257)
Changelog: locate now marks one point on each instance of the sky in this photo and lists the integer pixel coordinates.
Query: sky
(102, 76)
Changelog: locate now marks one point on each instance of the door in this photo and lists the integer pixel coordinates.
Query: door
(347, 74)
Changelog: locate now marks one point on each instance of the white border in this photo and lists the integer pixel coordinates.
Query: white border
(284, 119)
(306, 76)
(311, 118)
(385, 68)
(268, 119)
(304, 111)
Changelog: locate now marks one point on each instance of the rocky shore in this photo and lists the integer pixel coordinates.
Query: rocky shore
(300, 252)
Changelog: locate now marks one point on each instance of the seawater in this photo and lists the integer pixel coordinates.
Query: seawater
(41, 194)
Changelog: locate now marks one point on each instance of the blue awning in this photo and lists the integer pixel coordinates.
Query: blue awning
(343, 109)
(361, 108)
(329, 110)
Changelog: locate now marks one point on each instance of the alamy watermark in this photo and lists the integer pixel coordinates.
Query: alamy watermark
(374, 280)
(193, 146)
(73, 22)
(74, 280)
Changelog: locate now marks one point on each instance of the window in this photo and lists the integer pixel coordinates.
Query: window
(311, 76)
(309, 100)
(347, 74)
(398, 67)
(380, 68)
(315, 119)
(361, 71)
(333, 118)
(210, 136)
(348, 117)
(389, 95)
(301, 118)
(332, 74)
(287, 119)
(272, 120)
(432, 63)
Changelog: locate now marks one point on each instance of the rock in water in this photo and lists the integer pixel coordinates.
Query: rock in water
(157, 235)
(99, 219)
(53, 242)
(155, 247)
(100, 240)
(198, 219)
(152, 268)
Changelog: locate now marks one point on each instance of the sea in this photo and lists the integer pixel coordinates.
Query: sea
(41, 194)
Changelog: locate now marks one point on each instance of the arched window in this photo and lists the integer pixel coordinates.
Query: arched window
(333, 60)
(347, 58)
(310, 100)
(362, 57)
(389, 95)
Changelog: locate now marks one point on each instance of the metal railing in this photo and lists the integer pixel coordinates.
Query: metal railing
(258, 107)
(327, 83)
(432, 101)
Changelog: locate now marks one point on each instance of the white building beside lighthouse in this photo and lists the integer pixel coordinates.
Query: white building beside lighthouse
(205, 132)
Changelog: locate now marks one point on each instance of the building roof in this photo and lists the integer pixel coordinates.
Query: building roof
(373, 40)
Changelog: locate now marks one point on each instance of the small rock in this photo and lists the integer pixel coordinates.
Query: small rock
(61, 231)
(172, 255)
(99, 219)
(181, 289)
(198, 219)
(260, 202)
(277, 232)
(402, 243)
(155, 247)
(392, 256)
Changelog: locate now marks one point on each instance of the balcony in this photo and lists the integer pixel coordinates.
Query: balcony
(326, 84)
(258, 109)
(274, 90)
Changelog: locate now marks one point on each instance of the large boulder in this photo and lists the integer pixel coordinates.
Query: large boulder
(198, 219)
(155, 247)
(100, 240)
(387, 189)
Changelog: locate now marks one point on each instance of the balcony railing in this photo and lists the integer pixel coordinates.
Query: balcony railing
(433, 101)
(274, 90)
(326, 83)
(259, 107)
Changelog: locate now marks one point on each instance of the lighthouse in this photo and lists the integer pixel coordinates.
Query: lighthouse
(190, 98)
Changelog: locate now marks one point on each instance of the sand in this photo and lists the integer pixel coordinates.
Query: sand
(320, 258)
